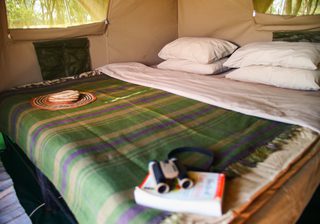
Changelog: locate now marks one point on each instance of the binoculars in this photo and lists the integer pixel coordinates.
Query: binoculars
(166, 172)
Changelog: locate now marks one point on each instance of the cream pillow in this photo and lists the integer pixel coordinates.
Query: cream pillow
(193, 67)
(203, 50)
(291, 78)
(279, 53)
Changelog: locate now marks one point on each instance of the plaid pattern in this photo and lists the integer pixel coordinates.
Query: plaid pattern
(97, 153)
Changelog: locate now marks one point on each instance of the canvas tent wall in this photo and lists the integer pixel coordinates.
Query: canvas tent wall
(234, 21)
(139, 28)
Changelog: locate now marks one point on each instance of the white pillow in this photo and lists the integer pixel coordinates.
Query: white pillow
(292, 78)
(193, 67)
(279, 53)
(202, 50)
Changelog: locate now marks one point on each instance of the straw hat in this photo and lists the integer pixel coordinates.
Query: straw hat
(63, 100)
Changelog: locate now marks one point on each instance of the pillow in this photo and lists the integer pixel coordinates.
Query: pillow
(280, 53)
(291, 78)
(202, 50)
(193, 67)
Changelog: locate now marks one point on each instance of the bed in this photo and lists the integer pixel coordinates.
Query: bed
(264, 139)
(288, 178)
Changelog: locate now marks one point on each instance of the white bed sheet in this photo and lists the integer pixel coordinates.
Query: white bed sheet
(284, 105)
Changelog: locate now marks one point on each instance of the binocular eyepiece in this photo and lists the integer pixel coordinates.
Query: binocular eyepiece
(165, 172)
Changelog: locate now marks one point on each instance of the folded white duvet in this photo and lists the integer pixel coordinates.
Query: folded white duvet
(284, 105)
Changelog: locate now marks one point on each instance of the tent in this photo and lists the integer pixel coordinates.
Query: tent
(136, 30)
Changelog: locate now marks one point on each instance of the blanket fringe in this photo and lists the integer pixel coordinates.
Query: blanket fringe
(260, 154)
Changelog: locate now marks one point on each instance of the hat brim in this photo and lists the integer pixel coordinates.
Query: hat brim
(42, 102)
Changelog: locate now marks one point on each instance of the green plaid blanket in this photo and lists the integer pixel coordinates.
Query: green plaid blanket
(97, 153)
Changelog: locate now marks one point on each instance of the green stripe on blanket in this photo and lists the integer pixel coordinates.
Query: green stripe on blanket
(97, 153)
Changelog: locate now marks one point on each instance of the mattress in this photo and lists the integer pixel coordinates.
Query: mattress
(84, 151)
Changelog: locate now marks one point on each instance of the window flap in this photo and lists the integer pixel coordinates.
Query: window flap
(58, 33)
(276, 22)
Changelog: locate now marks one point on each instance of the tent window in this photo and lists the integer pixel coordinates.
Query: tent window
(286, 15)
(288, 7)
(54, 13)
(55, 19)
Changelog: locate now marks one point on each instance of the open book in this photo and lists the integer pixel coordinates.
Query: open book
(205, 197)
